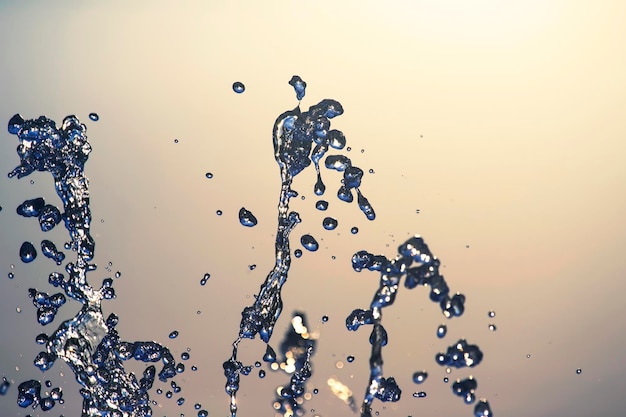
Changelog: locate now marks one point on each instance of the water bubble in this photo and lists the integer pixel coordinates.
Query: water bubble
(321, 205)
(329, 223)
(491, 314)
(579, 371)
(246, 218)
(442, 329)
(297, 253)
(309, 243)
(492, 327)
(238, 87)
(354, 230)
(173, 334)
(420, 394)
(27, 252)
(208, 175)
(205, 278)
(420, 376)
(350, 359)
(94, 117)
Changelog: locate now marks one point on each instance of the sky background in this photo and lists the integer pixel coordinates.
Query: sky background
(503, 123)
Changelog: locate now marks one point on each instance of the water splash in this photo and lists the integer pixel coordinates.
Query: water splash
(300, 138)
(88, 343)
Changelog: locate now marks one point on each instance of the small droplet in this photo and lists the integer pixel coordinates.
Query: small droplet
(174, 334)
(420, 394)
(324, 319)
(315, 390)
(297, 253)
(417, 211)
(579, 371)
(246, 218)
(354, 230)
(238, 87)
(491, 314)
(371, 171)
(309, 243)
(184, 356)
(11, 276)
(420, 376)
(492, 327)
(18, 309)
(252, 267)
(445, 379)
(528, 356)
(350, 359)
(94, 117)
(442, 329)
(348, 149)
(362, 150)
(208, 175)
(205, 278)
(175, 140)
(329, 223)
(321, 205)
(218, 212)
(28, 253)
(180, 401)
(261, 373)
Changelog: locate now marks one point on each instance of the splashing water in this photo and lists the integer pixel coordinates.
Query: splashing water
(88, 343)
(294, 135)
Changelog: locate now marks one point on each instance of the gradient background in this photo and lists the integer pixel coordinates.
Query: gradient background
(503, 122)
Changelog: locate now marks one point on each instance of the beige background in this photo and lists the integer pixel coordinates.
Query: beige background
(503, 122)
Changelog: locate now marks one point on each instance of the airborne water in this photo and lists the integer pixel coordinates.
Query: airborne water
(90, 344)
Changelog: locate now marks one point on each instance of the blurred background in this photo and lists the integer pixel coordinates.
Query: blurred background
(493, 129)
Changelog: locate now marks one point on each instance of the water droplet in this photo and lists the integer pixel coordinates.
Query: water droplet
(492, 327)
(180, 401)
(270, 354)
(184, 356)
(238, 87)
(350, 359)
(205, 278)
(175, 140)
(27, 252)
(246, 218)
(203, 413)
(297, 253)
(315, 390)
(491, 314)
(173, 334)
(11, 276)
(18, 309)
(362, 150)
(261, 373)
(442, 329)
(354, 230)
(420, 394)
(324, 319)
(299, 85)
(309, 243)
(208, 175)
(528, 356)
(321, 205)
(94, 117)
(348, 149)
(445, 379)
(371, 171)
(482, 409)
(218, 212)
(579, 371)
(252, 267)
(329, 223)
(420, 376)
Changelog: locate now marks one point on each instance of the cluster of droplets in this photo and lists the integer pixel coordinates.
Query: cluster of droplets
(299, 138)
(419, 267)
(88, 343)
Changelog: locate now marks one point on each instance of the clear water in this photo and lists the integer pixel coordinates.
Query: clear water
(89, 343)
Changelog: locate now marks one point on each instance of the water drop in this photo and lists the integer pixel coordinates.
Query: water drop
(482, 409)
(420, 394)
(270, 354)
(184, 356)
(246, 218)
(180, 401)
(175, 140)
(354, 230)
(261, 373)
(442, 329)
(491, 313)
(579, 371)
(420, 376)
(371, 171)
(252, 267)
(315, 390)
(528, 356)
(205, 278)
(329, 223)
(11, 276)
(297, 253)
(27, 252)
(173, 334)
(445, 379)
(321, 205)
(94, 117)
(208, 175)
(203, 413)
(492, 327)
(299, 85)
(350, 359)
(238, 87)
(218, 212)
(324, 319)
(309, 243)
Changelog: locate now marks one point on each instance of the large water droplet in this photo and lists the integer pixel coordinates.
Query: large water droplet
(309, 243)
(246, 218)
(28, 253)
(321, 205)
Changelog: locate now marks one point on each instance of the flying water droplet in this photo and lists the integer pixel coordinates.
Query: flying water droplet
(94, 117)
(482, 409)
(579, 371)
(208, 175)
(173, 334)
(420, 394)
(329, 223)
(350, 359)
(205, 278)
(246, 218)
(299, 86)
(27, 252)
(309, 243)
(442, 329)
(238, 87)
(492, 327)
(420, 376)
(354, 230)
(297, 253)
(321, 205)
(324, 319)
(491, 314)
